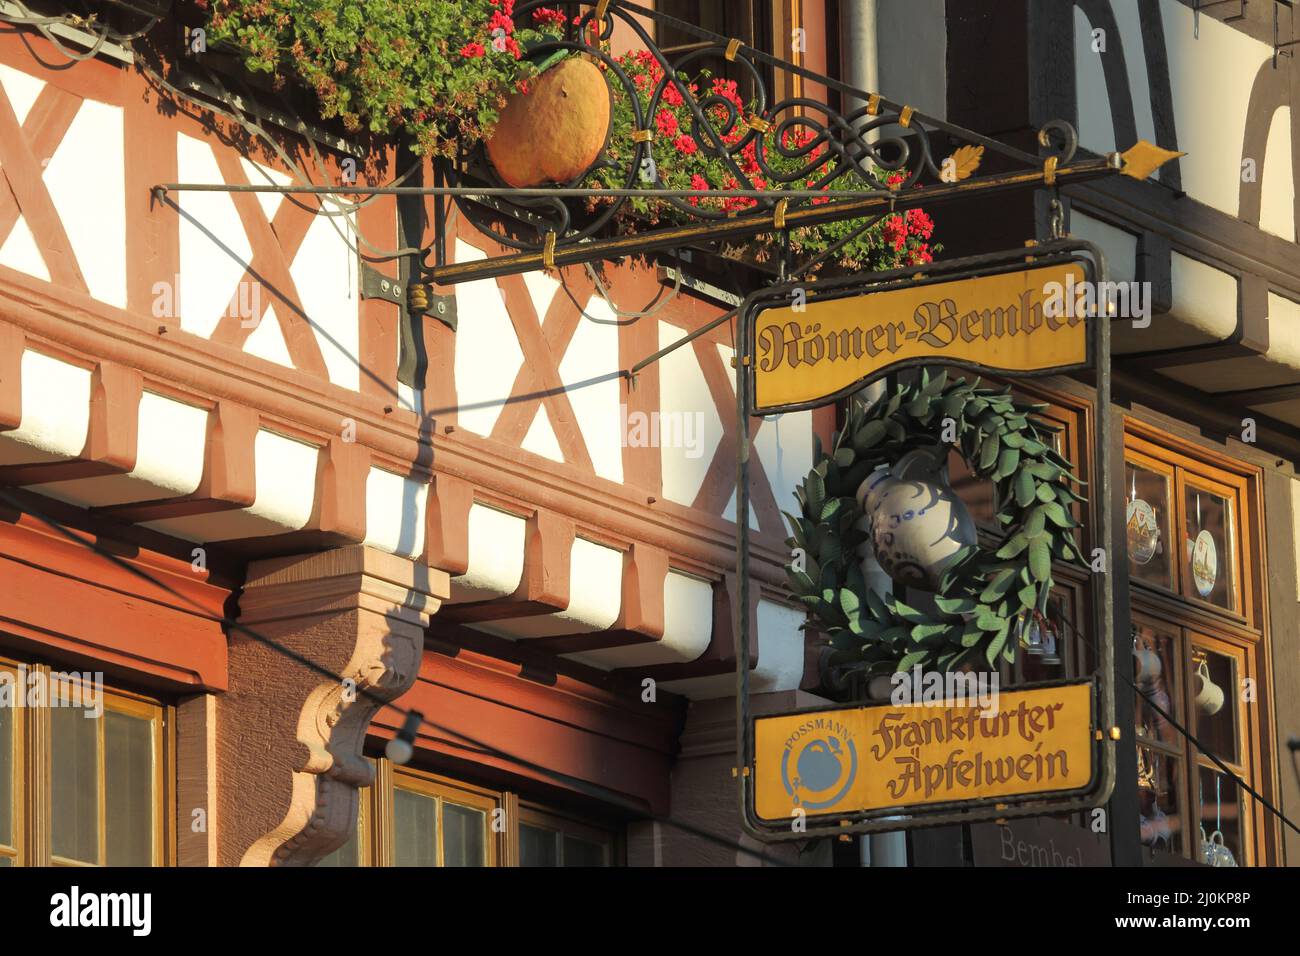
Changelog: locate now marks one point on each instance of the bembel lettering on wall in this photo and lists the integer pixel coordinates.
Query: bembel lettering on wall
(1038, 841)
(1030, 320)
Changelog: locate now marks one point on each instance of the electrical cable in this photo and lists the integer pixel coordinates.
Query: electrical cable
(43, 24)
(342, 208)
(1190, 737)
(588, 789)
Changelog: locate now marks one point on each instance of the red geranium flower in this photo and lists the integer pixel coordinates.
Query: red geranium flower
(545, 15)
(473, 50)
(698, 182)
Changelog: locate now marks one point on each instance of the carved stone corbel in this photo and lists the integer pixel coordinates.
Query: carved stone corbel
(289, 751)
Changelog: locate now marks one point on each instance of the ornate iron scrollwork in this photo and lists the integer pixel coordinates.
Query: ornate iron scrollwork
(878, 148)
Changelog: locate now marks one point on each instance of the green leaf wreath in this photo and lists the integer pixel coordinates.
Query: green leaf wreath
(983, 594)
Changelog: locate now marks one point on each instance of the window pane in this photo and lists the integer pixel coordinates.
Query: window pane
(415, 829)
(1160, 820)
(74, 748)
(578, 852)
(6, 776)
(1213, 690)
(6, 861)
(129, 799)
(1211, 555)
(1155, 670)
(464, 835)
(1147, 517)
(1220, 835)
(537, 847)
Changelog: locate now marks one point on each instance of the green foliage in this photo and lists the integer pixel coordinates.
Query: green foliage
(686, 159)
(440, 69)
(982, 594)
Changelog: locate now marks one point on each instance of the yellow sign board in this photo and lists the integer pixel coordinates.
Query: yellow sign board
(886, 756)
(1028, 320)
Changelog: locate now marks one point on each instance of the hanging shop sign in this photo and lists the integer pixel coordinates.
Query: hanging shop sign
(1045, 749)
(1015, 321)
(1026, 744)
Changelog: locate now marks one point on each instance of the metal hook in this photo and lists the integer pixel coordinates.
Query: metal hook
(1056, 219)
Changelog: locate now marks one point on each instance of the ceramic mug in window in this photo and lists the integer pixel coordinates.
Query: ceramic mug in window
(1214, 851)
(1209, 695)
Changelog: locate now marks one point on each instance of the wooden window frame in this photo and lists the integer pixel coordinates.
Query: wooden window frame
(1216, 475)
(442, 790)
(1171, 541)
(1239, 632)
(375, 832)
(561, 824)
(33, 771)
(17, 854)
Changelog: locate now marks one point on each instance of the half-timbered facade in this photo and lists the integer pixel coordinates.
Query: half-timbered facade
(211, 436)
(529, 546)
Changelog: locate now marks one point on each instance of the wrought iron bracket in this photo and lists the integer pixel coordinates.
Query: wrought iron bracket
(415, 297)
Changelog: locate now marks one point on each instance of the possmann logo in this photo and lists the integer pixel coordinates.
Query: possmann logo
(819, 763)
(76, 909)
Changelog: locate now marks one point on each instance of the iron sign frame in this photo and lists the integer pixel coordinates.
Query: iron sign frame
(1057, 251)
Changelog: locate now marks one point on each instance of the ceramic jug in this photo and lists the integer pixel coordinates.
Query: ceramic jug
(917, 524)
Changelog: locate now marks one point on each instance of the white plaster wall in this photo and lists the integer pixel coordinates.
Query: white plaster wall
(496, 555)
(86, 178)
(540, 438)
(55, 412)
(285, 475)
(688, 627)
(784, 445)
(267, 340)
(595, 597)
(683, 392)
(488, 356)
(21, 252)
(259, 175)
(589, 371)
(170, 444)
(1203, 296)
(214, 249)
(780, 648)
(1212, 79)
(1277, 184)
(325, 274)
(1119, 246)
(22, 90)
(395, 510)
(1096, 128)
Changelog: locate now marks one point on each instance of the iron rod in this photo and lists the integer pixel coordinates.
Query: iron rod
(532, 191)
(709, 327)
(751, 225)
